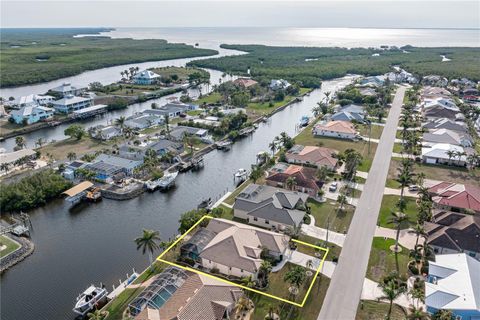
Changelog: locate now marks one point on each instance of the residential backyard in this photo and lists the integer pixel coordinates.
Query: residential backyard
(389, 205)
(7, 246)
(59, 150)
(382, 260)
(373, 310)
(376, 131)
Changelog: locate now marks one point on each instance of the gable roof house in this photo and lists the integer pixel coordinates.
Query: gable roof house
(448, 136)
(454, 232)
(71, 103)
(351, 112)
(336, 129)
(172, 109)
(67, 89)
(312, 156)
(106, 166)
(429, 92)
(145, 77)
(244, 82)
(444, 153)
(142, 121)
(372, 81)
(161, 147)
(453, 284)
(440, 108)
(31, 114)
(305, 180)
(445, 123)
(177, 294)
(234, 249)
(278, 84)
(456, 197)
(270, 207)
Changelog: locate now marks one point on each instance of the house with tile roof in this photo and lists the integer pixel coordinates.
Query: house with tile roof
(312, 156)
(351, 112)
(234, 249)
(305, 178)
(444, 153)
(145, 77)
(454, 232)
(270, 207)
(453, 284)
(183, 295)
(456, 197)
(244, 82)
(336, 129)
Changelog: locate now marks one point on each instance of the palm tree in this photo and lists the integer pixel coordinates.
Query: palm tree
(148, 242)
(421, 179)
(97, 315)
(296, 276)
(40, 142)
(391, 291)
(247, 282)
(243, 304)
(419, 231)
(264, 271)
(443, 315)
(71, 156)
(322, 173)
(398, 218)
(291, 183)
(417, 295)
(450, 154)
(417, 313)
(273, 147)
(167, 125)
(4, 166)
(120, 122)
(342, 201)
(20, 142)
(257, 173)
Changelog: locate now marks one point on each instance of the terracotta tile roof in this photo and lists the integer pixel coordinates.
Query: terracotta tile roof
(304, 177)
(245, 82)
(456, 195)
(319, 156)
(337, 126)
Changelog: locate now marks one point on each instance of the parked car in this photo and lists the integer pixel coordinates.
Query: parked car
(333, 187)
(413, 188)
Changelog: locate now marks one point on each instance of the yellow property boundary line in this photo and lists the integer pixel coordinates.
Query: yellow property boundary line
(159, 258)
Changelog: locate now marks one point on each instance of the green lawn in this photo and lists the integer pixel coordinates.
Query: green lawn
(338, 221)
(372, 310)
(309, 311)
(11, 246)
(308, 139)
(211, 98)
(389, 204)
(334, 250)
(397, 148)
(382, 259)
(265, 108)
(392, 183)
(236, 192)
(376, 131)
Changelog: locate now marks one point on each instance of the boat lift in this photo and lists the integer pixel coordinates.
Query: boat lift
(77, 193)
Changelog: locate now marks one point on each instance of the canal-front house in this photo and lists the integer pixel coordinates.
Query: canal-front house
(453, 284)
(71, 103)
(312, 156)
(234, 249)
(31, 114)
(305, 178)
(106, 166)
(270, 207)
(145, 77)
(161, 147)
(336, 129)
(67, 89)
(172, 110)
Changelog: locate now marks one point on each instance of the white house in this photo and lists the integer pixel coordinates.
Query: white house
(277, 84)
(67, 89)
(143, 121)
(336, 129)
(71, 103)
(444, 153)
(145, 77)
(31, 114)
(106, 133)
(453, 283)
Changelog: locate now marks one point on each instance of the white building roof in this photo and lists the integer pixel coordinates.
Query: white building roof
(26, 111)
(146, 74)
(65, 88)
(439, 151)
(90, 109)
(457, 285)
(68, 100)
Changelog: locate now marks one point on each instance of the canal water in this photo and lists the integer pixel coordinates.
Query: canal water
(94, 243)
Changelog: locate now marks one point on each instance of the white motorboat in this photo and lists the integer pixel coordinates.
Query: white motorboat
(241, 174)
(164, 182)
(90, 299)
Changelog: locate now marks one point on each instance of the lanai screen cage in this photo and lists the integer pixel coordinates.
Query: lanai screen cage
(159, 291)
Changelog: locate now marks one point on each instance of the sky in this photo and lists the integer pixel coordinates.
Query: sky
(229, 13)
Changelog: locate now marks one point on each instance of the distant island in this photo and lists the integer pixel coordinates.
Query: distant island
(32, 56)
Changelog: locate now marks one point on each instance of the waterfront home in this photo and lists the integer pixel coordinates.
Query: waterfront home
(106, 166)
(444, 153)
(71, 103)
(244, 82)
(161, 147)
(143, 121)
(34, 100)
(106, 132)
(177, 294)
(279, 84)
(89, 111)
(145, 77)
(447, 136)
(71, 168)
(305, 178)
(179, 132)
(209, 121)
(31, 114)
(336, 129)
(270, 207)
(66, 89)
(11, 157)
(172, 110)
(368, 92)
(453, 284)
(456, 197)
(351, 112)
(373, 81)
(445, 123)
(434, 80)
(454, 232)
(234, 249)
(312, 156)
(429, 92)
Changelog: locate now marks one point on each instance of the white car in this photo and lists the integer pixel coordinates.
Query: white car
(333, 187)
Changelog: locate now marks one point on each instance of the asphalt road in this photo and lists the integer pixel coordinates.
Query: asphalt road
(345, 288)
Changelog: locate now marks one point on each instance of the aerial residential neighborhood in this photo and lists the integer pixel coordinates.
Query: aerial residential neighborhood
(240, 160)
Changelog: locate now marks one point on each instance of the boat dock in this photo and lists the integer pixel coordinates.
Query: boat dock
(122, 285)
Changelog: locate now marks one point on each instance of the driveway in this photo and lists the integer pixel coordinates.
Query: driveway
(321, 234)
(345, 288)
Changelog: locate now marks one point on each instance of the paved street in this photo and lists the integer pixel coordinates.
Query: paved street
(345, 289)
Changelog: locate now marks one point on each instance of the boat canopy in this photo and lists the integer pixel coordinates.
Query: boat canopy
(79, 188)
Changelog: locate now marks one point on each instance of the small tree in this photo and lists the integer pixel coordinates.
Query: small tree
(149, 241)
(75, 131)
